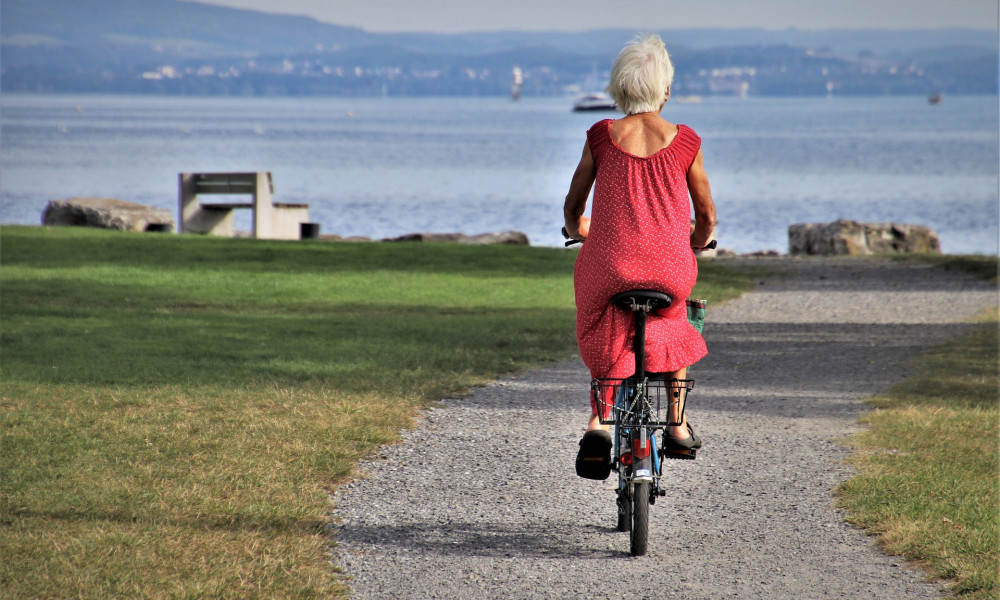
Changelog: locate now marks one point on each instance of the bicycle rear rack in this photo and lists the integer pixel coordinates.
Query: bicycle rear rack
(618, 399)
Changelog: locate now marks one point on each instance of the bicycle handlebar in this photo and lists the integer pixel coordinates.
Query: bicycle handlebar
(711, 245)
(565, 234)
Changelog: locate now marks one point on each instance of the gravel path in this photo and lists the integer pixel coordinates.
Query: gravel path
(481, 499)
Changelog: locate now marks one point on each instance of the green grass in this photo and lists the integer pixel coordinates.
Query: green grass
(176, 409)
(983, 266)
(928, 482)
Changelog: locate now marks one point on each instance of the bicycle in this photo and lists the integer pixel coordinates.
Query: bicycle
(638, 407)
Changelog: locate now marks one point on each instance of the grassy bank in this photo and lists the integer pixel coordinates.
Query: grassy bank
(175, 409)
(928, 464)
(984, 267)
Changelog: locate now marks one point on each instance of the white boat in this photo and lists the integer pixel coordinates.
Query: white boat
(595, 102)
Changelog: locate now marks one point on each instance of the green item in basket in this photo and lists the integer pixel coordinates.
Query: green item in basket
(696, 313)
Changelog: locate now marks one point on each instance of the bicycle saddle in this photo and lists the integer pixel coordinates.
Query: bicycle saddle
(642, 298)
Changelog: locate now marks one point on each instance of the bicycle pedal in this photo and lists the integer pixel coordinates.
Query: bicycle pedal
(680, 454)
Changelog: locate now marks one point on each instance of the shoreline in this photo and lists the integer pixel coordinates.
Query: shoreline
(722, 254)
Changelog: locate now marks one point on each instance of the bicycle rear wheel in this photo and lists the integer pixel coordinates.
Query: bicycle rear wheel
(640, 518)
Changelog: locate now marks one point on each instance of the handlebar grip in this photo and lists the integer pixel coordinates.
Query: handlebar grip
(565, 234)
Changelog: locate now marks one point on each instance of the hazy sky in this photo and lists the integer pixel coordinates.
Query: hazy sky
(576, 15)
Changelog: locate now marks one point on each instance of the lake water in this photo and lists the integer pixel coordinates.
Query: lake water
(384, 167)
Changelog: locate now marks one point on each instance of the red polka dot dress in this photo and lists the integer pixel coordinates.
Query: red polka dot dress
(639, 239)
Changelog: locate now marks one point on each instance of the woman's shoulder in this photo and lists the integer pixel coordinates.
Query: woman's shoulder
(687, 139)
(599, 135)
(600, 128)
(687, 131)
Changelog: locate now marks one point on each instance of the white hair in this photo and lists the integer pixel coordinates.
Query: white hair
(641, 75)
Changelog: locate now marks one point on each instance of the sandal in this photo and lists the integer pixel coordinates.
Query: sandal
(684, 448)
(594, 459)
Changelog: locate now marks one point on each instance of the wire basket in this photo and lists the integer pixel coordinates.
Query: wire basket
(622, 400)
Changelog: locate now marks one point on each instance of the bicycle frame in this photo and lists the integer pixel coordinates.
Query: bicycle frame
(640, 406)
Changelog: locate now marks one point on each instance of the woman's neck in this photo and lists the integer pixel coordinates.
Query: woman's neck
(647, 114)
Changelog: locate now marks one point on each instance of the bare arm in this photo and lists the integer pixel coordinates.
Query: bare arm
(577, 225)
(701, 198)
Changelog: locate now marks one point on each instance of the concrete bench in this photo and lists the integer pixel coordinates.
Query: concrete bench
(271, 220)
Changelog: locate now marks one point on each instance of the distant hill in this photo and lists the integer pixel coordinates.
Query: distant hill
(177, 47)
(165, 26)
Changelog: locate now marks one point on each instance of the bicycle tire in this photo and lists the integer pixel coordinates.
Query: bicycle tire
(625, 509)
(640, 518)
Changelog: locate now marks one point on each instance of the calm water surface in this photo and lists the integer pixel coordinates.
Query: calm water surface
(385, 167)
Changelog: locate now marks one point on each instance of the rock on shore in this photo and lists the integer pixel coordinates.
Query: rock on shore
(504, 237)
(107, 213)
(852, 237)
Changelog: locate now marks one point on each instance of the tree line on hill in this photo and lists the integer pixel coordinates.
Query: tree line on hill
(186, 48)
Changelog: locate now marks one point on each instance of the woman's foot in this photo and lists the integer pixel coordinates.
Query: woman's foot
(594, 459)
(681, 441)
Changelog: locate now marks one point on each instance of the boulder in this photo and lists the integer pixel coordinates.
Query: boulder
(429, 237)
(515, 238)
(107, 213)
(852, 237)
(330, 237)
(504, 237)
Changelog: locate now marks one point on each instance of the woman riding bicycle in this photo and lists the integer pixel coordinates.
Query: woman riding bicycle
(646, 174)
